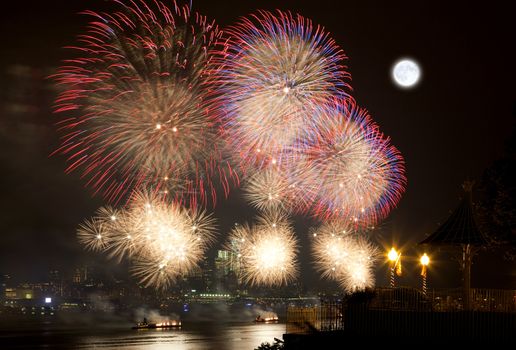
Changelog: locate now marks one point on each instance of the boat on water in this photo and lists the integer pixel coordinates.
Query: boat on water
(270, 319)
(157, 325)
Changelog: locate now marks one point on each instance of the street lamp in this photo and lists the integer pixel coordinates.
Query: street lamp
(425, 260)
(394, 258)
(393, 255)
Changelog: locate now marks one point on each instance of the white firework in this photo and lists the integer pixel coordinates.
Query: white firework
(270, 189)
(342, 256)
(267, 250)
(163, 239)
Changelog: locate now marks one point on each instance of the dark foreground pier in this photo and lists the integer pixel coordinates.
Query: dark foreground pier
(404, 317)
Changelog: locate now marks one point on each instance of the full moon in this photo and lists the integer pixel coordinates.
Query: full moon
(406, 73)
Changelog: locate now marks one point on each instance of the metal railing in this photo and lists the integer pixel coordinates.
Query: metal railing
(303, 319)
(448, 300)
(410, 311)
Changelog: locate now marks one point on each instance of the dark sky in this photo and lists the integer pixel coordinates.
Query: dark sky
(449, 128)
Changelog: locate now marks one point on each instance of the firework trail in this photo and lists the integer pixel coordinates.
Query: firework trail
(347, 168)
(135, 106)
(344, 257)
(163, 239)
(271, 74)
(267, 250)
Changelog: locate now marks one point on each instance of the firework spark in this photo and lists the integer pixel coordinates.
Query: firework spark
(92, 235)
(136, 105)
(347, 167)
(267, 250)
(272, 72)
(341, 256)
(164, 240)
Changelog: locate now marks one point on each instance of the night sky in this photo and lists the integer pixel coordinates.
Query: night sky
(449, 128)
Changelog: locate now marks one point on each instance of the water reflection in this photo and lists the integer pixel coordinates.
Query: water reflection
(201, 336)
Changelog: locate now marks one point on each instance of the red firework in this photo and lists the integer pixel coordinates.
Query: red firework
(136, 107)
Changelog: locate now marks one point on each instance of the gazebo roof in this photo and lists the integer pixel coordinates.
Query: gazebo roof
(460, 228)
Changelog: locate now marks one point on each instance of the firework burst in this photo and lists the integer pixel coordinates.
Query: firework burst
(359, 273)
(332, 248)
(135, 105)
(267, 250)
(92, 235)
(344, 257)
(271, 73)
(270, 189)
(164, 240)
(347, 169)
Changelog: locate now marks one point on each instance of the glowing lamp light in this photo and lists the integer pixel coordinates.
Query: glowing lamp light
(48, 300)
(425, 260)
(393, 255)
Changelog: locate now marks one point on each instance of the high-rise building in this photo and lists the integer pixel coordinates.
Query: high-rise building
(54, 275)
(222, 265)
(4, 282)
(227, 270)
(80, 275)
(56, 282)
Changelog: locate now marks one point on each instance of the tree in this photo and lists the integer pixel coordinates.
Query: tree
(497, 200)
(277, 345)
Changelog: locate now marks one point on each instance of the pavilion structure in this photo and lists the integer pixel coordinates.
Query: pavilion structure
(460, 230)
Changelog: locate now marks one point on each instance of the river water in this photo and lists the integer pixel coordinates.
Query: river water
(191, 336)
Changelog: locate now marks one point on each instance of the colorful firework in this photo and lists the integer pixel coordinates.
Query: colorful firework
(267, 251)
(271, 73)
(343, 256)
(347, 168)
(149, 95)
(163, 239)
(137, 108)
